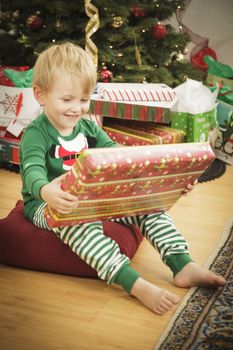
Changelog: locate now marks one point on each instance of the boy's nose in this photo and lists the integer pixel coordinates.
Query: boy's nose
(76, 108)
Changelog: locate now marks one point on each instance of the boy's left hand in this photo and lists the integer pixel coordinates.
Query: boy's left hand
(189, 187)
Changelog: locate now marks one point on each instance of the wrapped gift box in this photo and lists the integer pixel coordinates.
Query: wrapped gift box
(137, 110)
(4, 80)
(223, 145)
(135, 92)
(196, 126)
(132, 133)
(125, 181)
(9, 148)
(18, 107)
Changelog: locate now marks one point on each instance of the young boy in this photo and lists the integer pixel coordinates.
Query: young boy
(64, 79)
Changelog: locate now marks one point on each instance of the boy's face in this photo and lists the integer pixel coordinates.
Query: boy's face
(65, 104)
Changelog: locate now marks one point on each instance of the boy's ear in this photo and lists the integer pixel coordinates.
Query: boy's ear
(38, 94)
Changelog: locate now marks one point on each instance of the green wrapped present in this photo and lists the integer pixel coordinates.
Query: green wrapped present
(223, 145)
(196, 126)
(221, 75)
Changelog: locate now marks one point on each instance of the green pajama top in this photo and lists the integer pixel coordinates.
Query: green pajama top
(45, 154)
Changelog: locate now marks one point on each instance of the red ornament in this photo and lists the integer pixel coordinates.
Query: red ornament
(159, 31)
(106, 75)
(34, 22)
(197, 60)
(137, 11)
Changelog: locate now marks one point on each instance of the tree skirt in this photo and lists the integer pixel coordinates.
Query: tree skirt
(214, 171)
(204, 320)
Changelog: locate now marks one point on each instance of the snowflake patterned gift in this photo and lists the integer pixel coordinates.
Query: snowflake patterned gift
(18, 106)
(125, 181)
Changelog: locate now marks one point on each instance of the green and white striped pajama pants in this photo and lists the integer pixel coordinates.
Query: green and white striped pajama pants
(103, 254)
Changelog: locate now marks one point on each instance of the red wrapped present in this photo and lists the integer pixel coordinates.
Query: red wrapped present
(145, 111)
(135, 92)
(4, 80)
(131, 133)
(125, 181)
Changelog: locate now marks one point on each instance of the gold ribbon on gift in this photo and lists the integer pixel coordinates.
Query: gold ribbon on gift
(91, 27)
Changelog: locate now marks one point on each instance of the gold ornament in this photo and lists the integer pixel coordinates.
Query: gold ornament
(91, 27)
(117, 22)
(138, 57)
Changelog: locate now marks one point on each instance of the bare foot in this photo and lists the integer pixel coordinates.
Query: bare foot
(194, 275)
(154, 298)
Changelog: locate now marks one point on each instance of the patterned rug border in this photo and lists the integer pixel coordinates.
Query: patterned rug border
(227, 231)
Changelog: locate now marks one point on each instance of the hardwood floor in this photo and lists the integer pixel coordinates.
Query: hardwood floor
(47, 311)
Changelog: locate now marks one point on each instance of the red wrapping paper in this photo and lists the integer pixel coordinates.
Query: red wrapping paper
(125, 181)
(4, 80)
(146, 111)
(132, 133)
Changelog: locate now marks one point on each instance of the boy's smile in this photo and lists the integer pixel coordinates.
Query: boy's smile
(64, 105)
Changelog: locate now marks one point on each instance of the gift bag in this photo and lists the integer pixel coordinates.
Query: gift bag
(220, 75)
(196, 127)
(223, 145)
(195, 111)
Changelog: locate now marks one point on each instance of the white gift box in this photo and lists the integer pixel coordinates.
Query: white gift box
(135, 92)
(18, 107)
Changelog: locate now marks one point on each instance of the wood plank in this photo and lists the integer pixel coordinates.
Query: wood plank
(48, 311)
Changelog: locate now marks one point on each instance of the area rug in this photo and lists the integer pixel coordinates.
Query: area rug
(204, 320)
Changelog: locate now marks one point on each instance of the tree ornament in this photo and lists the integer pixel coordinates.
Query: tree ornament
(15, 14)
(6, 16)
(179, 57)
(58, 23)
(117, 22)
(12, 32)
(137, 11)
(106, 75)
(198, 61)
(91, 27)
(35, 21)
(138, 57)
(159, 31)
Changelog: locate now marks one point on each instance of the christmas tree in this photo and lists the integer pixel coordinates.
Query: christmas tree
(131, 42)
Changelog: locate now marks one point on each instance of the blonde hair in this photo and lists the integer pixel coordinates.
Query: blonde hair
(66, 57)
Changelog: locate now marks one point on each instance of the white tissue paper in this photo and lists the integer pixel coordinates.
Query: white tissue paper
(194, 98)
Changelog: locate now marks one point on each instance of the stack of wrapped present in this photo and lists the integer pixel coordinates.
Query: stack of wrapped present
(136, 114)
(190, 108)
(128, 133)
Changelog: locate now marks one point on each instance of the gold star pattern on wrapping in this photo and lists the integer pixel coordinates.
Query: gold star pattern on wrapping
(10, 103)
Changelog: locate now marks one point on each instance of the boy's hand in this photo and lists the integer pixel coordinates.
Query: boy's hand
(58, 199)
(189, 187)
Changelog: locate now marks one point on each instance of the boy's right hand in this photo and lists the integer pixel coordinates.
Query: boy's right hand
(58, 199)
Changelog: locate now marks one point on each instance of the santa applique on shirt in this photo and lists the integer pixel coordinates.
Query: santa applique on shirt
(69, 150)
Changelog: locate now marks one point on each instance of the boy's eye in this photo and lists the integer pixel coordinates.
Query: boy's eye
(85, 100)
(66, 99)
